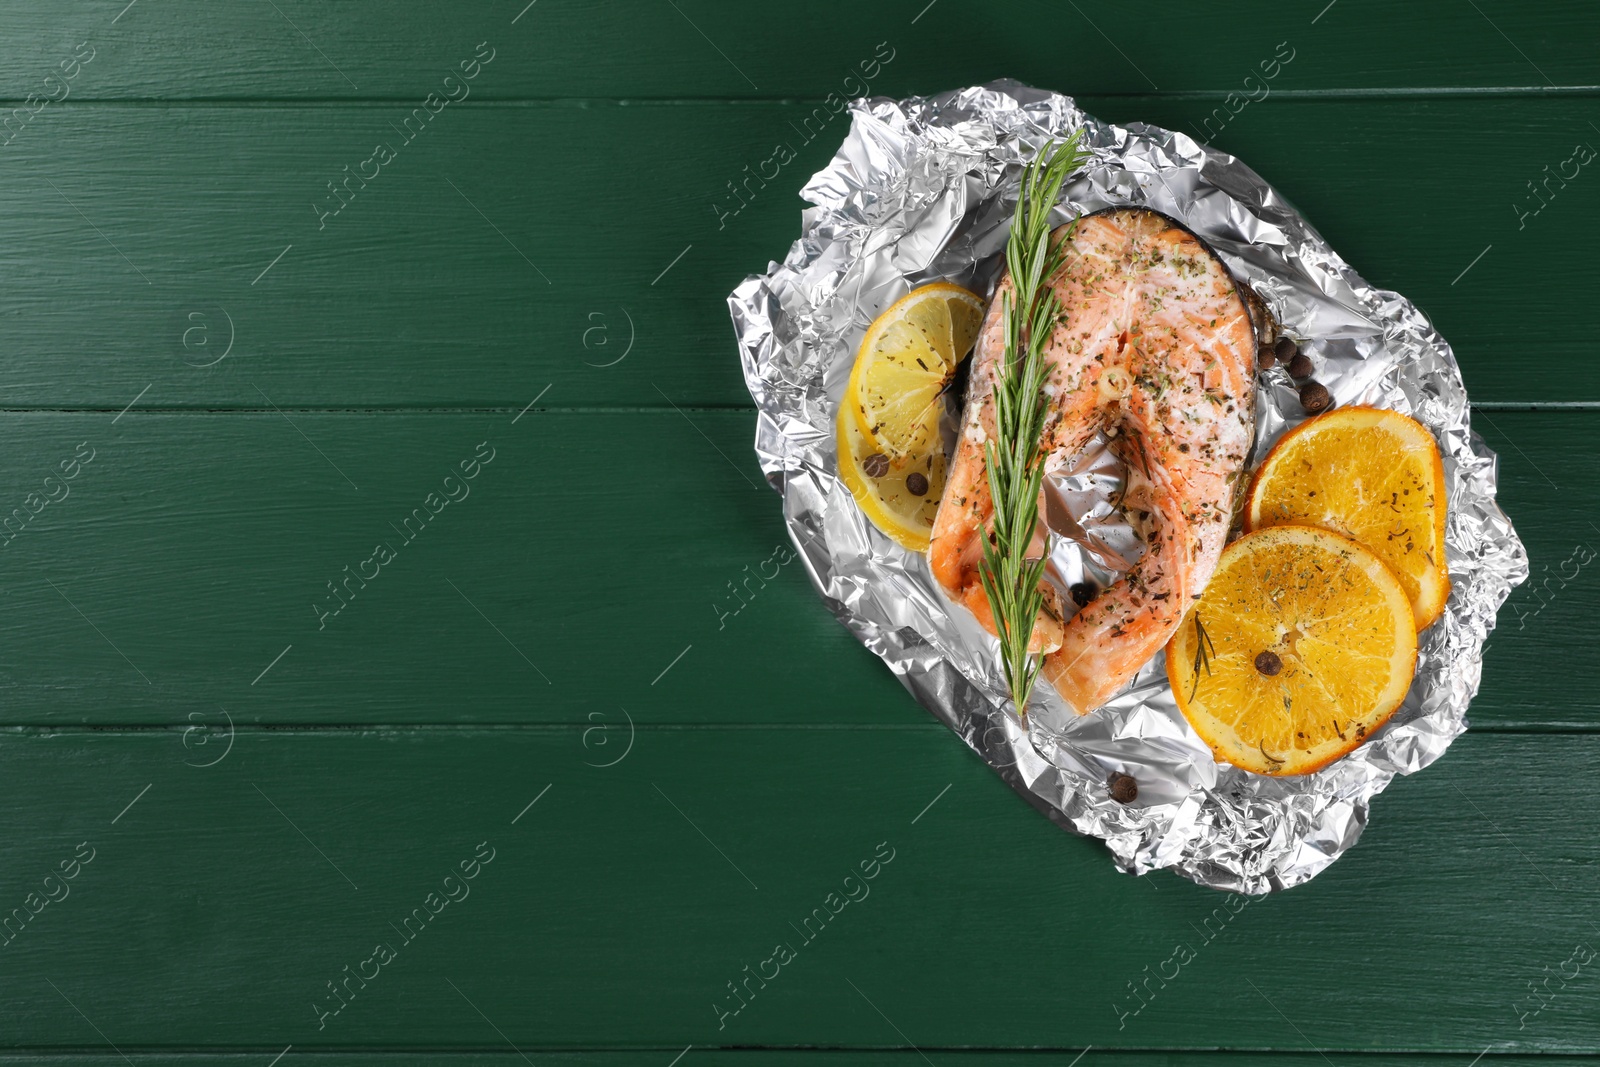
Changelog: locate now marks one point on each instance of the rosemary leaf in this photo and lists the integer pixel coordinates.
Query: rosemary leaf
(1015, 468)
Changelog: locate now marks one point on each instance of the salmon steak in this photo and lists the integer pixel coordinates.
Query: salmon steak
(1153, 347)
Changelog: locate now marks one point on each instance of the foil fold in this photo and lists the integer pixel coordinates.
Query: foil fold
(922, 190)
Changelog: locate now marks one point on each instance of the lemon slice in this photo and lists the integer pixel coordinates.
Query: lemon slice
(907, 358)
(1374, 476)
(1301, 646)
(887, 493)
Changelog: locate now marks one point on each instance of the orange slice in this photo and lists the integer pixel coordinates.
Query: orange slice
(907, 358)
(1374, 476)
(1301, 646)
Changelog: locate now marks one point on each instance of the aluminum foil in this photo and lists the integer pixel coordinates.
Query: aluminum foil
(923, 189)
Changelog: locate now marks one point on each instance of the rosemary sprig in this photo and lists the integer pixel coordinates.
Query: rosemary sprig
(1030, 312)
(1202, 657)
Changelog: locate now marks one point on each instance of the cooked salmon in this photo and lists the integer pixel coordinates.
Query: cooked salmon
(1155, 348)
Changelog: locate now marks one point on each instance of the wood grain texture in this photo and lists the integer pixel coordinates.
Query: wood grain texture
(720, 1057)
(718, 48)
(507, 247)
(581, 563)
(551, 664)
(617, 907)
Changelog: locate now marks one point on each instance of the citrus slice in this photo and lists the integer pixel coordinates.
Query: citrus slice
(1374, 476)
(1301, 646)
(887, 493)
(907, 358)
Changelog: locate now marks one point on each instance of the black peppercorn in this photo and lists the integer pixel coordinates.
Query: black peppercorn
(1124, 789)
(876, 465)
(1314, 397)
(1268, 663)
(1082, 593)
(916, 484)
(1300, 366)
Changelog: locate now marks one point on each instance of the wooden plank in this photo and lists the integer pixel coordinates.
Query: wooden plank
(718, 1057)
(510, 247)
(219, 901)
(723, 49)
(715, 1057)
(609, 553)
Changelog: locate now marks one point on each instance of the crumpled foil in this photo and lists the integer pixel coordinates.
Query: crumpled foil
(923, 189)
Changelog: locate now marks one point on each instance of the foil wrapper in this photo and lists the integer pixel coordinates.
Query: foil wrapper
(923, 189)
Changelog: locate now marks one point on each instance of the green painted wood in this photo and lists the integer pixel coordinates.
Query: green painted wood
(567, 582)
(170, 587)
(719, 1057)
(194, 49)
(617, 907)
(510, 247)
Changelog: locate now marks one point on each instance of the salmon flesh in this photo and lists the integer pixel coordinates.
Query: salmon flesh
(1155, 348)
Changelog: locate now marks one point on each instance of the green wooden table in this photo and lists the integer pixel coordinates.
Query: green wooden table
(522, 749)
